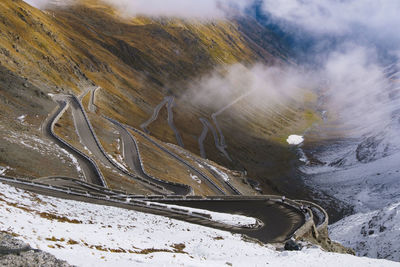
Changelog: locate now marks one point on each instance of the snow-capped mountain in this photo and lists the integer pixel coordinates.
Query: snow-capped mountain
(373, 234)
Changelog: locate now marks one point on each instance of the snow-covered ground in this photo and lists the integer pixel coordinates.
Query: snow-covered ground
(374, 234)
(363, 172)
(195, 177)
(225, 218)
(220, 173)
(44, 147)
(369, 182)
(366, 186)
(3, 169)
(93, 235)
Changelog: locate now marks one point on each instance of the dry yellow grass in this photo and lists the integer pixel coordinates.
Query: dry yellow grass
(159, 164)
(137, 61)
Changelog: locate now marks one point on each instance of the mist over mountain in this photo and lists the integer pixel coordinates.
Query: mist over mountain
(207, 9)
(352, 47)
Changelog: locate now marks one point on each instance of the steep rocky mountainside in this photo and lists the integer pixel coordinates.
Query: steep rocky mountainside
(136, 62)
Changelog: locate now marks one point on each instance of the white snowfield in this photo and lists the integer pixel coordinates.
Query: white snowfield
(375, 233)
(93, 235)
(372, 189)
(295, 139)
(225, 218)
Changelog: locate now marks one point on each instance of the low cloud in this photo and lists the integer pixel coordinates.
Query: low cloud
(38, 3)
(334, 16)
(42, 4)
(359, 90)
(367, 22)
(187, 9)
(350, 45)
(204, 9)
(260, 86)
(354, 88)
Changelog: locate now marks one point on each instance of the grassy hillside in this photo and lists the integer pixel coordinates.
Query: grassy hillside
(136, 62)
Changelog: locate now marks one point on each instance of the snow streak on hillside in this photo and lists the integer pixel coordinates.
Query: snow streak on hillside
(93, 235)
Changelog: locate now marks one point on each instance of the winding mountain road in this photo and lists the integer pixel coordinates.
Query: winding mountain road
(280, 220)
(221, 148)
(201, 139)
(89, 168)
(84, 130)
(196, 171)
(89, 139)
(169, 102)
(92, 106)
(130, 149)
(219, 137)
(132, 158)
(218, 175)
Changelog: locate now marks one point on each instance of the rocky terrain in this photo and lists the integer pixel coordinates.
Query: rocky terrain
(14, 252)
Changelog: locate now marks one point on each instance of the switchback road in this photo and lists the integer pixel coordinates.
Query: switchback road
(280, 220)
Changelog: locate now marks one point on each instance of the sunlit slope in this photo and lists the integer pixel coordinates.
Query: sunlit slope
(137, 62)
(255, 135)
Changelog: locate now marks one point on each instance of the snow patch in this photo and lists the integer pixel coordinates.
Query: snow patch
(195, 177)
(225, 218)
(295, 139)
(3, 170)
(73, 159)
(21, 118)
(302, 156)
(44, 147)
(223, 175)
(120, 165)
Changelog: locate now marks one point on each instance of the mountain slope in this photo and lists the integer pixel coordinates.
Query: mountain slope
(136, 62)
(372, 234)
